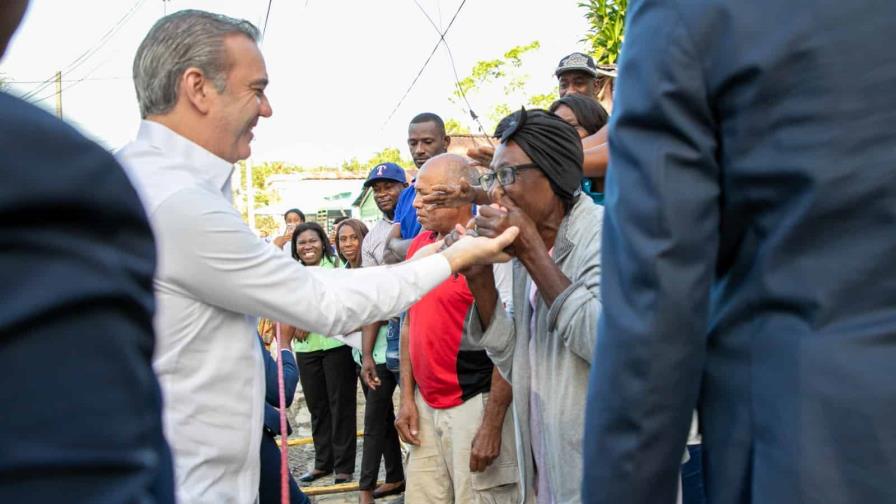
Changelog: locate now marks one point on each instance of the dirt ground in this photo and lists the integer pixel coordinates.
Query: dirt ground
(301, 458)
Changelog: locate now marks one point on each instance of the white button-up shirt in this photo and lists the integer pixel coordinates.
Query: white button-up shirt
(213, 276)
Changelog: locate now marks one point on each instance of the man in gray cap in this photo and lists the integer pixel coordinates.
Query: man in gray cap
(578, 74)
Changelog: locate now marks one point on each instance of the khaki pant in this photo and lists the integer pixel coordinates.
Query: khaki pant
(439, 469)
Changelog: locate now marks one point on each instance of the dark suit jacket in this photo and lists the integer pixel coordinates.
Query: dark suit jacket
(749, 255)
(272, 389)
(80, 419)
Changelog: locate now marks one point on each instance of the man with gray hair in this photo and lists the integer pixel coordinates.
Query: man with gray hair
(200, 81)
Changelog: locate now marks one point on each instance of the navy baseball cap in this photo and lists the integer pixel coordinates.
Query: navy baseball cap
(386, 171)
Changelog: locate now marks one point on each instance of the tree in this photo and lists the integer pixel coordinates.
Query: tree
(504, 73)
(454, 127)
(607, 26)
(387, 155)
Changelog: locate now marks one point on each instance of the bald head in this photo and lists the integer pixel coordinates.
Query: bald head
(443, 170)
(447, 169)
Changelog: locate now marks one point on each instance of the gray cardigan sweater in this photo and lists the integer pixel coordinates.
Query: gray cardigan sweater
(562, 345)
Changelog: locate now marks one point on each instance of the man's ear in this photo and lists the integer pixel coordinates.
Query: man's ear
(197, 89)
(447, 141)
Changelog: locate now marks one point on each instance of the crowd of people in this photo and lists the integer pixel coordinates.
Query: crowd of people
(708, 320)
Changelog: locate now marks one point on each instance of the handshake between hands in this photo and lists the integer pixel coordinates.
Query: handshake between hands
(499, 232)
(464, 248)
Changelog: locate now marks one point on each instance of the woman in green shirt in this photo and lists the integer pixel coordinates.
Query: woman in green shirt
(327, 374)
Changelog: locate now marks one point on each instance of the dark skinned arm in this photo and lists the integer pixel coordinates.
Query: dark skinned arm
(481, 282)
(369, 334)
(290, 332)
(597, 153)
(551, 282)
(487, 442)
(396, 249)
(455, 195)
(528, 247)
(408, 420)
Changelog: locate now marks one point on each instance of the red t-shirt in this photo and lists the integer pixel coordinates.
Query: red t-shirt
(446, 374)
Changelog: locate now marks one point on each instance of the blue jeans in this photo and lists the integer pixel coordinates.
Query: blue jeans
(393, 344)
(692, 477)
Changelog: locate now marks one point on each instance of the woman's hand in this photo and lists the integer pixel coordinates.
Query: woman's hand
(300, 335)
(368, 372)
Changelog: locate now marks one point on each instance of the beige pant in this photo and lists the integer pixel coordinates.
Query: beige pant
(439, 469)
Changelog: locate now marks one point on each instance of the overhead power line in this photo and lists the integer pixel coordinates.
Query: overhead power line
(425, 63)
(268, 15)
(87, 54)
(72, 83)
(460, 88)
(71, 80)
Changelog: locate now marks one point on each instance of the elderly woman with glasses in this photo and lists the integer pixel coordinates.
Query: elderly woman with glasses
(543, 348)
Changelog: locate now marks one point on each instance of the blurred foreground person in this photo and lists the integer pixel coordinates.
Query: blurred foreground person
(80, 420)
(749, 255)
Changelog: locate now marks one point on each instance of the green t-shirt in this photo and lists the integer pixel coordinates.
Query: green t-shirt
(316, 342)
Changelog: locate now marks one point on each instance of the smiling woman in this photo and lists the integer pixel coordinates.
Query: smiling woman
(310, 245)
(350, 234)
(327, 373)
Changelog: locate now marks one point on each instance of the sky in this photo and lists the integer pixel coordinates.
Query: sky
(338, 68)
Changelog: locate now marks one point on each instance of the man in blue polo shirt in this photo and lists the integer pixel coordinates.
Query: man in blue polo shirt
(426, 138)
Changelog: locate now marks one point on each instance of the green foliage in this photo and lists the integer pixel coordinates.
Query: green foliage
(543, 101)
(387, 155)
(515, 54)
(504, 72)
(260, 174)
(500, 111)
(264, 196)
(454, 127)
(607, 25)
(493, 70)
(267, 224)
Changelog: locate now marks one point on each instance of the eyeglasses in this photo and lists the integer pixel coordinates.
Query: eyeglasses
(505, 175)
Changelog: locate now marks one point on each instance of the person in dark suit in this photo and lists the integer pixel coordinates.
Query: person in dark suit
(749, 255)
(80, 420)
(269, 483)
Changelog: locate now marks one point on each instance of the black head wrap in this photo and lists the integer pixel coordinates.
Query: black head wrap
(590, 114)
(551, 143)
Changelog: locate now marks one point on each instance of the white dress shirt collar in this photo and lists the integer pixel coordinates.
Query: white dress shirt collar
(203, 164)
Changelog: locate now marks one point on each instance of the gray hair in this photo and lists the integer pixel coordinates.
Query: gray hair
(184, 39)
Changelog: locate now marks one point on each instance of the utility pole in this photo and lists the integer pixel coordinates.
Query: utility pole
(59, 94)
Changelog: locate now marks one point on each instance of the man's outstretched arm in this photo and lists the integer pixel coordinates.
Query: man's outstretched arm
(231, 268)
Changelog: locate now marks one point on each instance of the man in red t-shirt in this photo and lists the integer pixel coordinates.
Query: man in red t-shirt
(463, 447)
